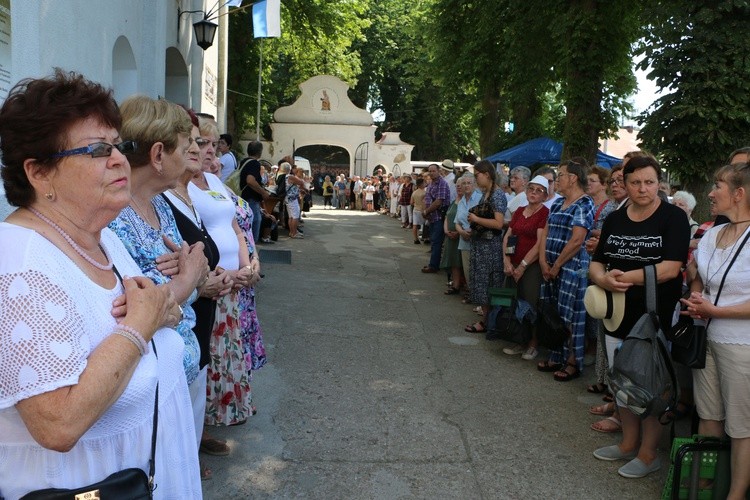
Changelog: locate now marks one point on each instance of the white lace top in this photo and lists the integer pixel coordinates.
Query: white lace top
(712, 263)
(52, 316)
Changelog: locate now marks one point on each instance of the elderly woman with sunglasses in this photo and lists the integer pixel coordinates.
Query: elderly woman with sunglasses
(521, 254)
(81, 327)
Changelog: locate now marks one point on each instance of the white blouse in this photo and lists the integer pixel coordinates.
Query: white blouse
(217, 210)
(52, 317)
(712, 264)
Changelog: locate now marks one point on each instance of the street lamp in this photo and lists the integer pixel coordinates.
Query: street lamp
(204, 33)
(205, 30)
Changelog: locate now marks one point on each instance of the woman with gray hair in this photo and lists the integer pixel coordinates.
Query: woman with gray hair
(519, 178)
(686, 201)
(471, 197)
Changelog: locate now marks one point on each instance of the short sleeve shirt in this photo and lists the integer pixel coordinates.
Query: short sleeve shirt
(628, 245)
(438, 190)
(251, 167)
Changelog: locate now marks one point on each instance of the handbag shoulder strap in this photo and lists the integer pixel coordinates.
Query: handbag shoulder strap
(152, 459)
(726, 272)
(649, 283)
(734, 257)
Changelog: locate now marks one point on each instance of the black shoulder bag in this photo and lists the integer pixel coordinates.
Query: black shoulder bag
(690, 337)
(127, 484)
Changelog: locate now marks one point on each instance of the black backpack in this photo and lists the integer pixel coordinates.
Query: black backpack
(642, 376)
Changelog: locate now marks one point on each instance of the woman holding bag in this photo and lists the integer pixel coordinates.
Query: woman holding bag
(486, 261)
(721, 387)
(647, 232)
(562, 256)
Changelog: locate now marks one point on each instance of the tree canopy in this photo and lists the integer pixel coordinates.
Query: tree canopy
(457, 76)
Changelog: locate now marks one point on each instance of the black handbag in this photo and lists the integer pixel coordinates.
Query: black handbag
(550, 329)
(127, 484)
(690, 337)
(689, 341)
(485, 210)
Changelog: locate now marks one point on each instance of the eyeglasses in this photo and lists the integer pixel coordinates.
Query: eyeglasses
(99, 149)
(201, 142)
(536, 190)
(612, 182)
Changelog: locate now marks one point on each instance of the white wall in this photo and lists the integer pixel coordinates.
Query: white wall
(80, 35)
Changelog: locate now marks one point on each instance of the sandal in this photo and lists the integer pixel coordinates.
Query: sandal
(547, 366)
(451, 291)
(565, 375)
(477, 327)
(608, 425)
(206, 473)
(608, 398)
(604, 410)
(216, 447)
(598, 388)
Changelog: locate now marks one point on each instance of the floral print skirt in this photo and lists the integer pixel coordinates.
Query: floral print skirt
(252, 335)
(228, 393)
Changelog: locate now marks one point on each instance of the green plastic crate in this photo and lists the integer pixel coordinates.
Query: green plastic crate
(708, 470)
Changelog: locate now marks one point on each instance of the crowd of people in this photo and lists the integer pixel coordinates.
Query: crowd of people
(128, 271)
(551, 233)
(127, 277)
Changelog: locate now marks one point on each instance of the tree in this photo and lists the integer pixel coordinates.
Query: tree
(595, 56)
(698, 54)
(316, 36)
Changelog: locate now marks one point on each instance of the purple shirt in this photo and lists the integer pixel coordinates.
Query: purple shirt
(437, 190)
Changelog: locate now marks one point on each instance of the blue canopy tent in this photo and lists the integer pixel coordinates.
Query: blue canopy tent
(542, 150)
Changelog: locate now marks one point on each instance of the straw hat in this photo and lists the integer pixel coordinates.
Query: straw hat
(605, 305)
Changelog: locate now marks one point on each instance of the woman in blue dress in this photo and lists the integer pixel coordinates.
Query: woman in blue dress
(486, 259)
(147, 226)
(565, 262)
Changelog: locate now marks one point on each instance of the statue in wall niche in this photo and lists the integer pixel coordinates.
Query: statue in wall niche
(325, 102)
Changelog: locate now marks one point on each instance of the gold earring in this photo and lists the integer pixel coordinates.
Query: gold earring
(49, 196)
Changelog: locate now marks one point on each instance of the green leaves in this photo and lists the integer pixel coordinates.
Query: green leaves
(699, 53)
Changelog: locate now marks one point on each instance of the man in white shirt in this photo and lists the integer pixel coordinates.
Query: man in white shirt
(228, 161)
(447, 171)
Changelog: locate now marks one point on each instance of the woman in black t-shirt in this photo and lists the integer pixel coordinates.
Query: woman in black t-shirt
(649, 231)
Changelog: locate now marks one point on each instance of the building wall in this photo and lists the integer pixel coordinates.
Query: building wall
(81, 35)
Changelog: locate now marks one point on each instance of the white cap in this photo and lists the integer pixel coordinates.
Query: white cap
(542, 181)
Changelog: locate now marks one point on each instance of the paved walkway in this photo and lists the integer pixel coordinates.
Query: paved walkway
(373, 390)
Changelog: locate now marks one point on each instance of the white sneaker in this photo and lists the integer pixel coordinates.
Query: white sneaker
(513, 350)
(530, 353)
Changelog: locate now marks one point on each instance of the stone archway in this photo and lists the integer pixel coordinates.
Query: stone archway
(324, 115)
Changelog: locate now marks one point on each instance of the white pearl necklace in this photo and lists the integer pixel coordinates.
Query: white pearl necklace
(79, 250)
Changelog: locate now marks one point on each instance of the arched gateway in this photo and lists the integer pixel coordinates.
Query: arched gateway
(324, 115)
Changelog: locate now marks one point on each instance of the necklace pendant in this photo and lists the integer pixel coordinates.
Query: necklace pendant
(707, 290)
